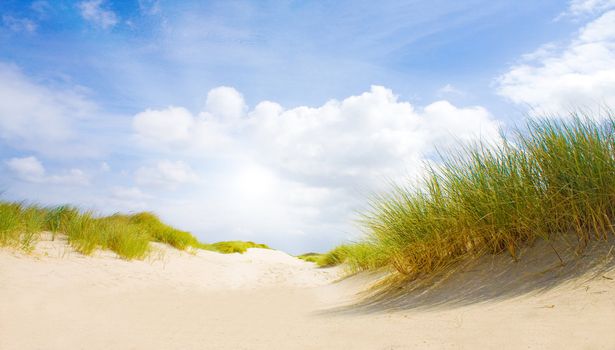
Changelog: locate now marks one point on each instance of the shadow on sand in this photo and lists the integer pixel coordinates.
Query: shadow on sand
(489, 278)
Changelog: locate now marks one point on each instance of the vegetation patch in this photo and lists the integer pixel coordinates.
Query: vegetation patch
(356, 256)
(127, 235)
(553, 178)
(229, 247)
(310, 257)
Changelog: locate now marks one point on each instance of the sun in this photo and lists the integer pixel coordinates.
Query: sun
(255, 182)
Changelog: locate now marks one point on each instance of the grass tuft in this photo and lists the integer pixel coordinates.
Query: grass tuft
(229, 247)
(310, 257)
(161, 232)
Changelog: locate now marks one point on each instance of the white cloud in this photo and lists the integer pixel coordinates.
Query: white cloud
(19, 24)
(93, 11)
(166, 174)
(226, 103)
(363, 137)
(557, 79)
(176, 128)
(584, 7)
(449, 89)
(35, 117)
(27, 168)
(30, 169)
(172, 125)
(370, 135)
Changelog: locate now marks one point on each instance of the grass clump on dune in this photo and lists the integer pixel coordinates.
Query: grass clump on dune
(127, 235)
(334, 257)
(310, 257)
(358, 256)
(160, 232)
(20, 224)
(556, 178)
(229, 247)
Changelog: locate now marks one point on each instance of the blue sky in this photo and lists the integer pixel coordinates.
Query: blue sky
(158, 105)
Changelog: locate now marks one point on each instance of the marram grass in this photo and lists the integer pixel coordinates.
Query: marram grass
(229, 247)
(127, 235)
(311, 257)
(554, 178)
(357, 256)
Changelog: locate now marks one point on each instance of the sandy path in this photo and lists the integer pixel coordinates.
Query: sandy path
(264, 299)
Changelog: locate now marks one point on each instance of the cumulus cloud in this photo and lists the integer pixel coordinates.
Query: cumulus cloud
(94, 12)
(556, 79)
(298, 170)
(370, 134)
(30, 169)
(226, 103)
(166, 174)
(35, 117)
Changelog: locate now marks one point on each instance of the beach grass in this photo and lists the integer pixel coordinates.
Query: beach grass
(230, 247)
(357, 256)
(554, 178)
(128, 235)
(310, 257)
(19, 224)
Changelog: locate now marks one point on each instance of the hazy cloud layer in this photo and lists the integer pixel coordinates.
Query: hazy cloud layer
(589, 7)
(30, 169)
(35, 117)
(95, 12)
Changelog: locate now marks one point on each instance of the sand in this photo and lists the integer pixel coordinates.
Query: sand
(55, 298)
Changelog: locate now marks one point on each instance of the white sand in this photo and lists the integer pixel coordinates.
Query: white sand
(58, 299)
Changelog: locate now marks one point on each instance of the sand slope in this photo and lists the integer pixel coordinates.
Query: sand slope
(58, 299)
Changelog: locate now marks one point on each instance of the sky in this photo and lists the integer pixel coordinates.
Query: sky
(276, 121)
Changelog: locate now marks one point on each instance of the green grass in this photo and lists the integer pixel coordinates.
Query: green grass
(553, 178)
(20, 224)
(229, 247)
(334, 257)
(127, 235)
(159, 231)
(358, 256)
(310, 257)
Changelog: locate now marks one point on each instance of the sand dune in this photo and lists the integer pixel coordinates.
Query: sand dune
(55, 298)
